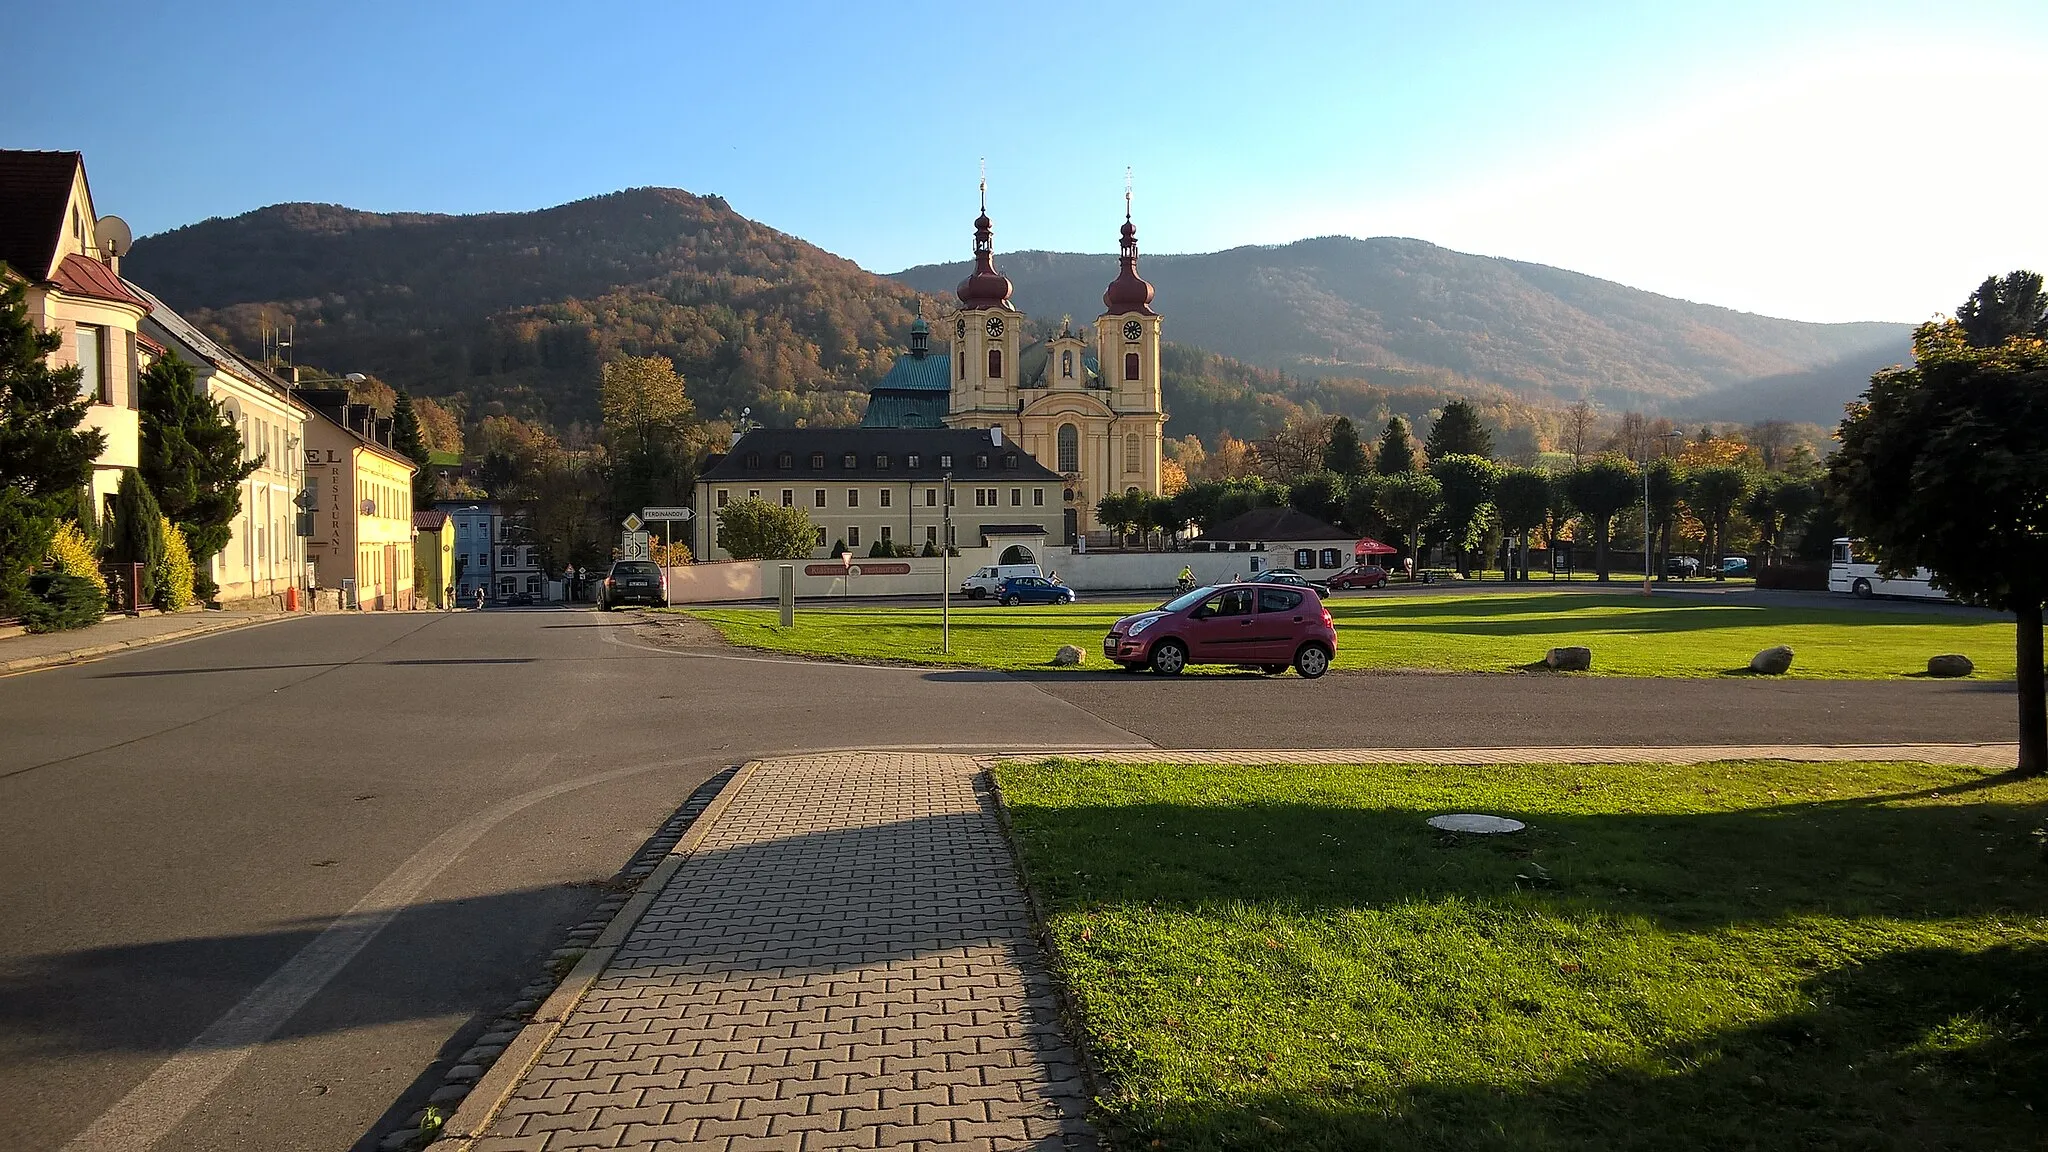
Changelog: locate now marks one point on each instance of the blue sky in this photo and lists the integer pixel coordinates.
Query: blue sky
(1815, 160)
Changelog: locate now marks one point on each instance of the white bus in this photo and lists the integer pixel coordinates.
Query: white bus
(1858, 577)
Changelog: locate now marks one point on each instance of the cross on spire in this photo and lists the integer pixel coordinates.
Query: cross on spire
(1127, 194)
(984, 185)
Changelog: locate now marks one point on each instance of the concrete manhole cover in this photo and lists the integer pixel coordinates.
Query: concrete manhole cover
(1475, 823)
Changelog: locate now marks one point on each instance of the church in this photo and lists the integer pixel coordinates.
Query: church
(1088, 410)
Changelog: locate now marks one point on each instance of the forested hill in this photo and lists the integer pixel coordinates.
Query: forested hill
(515, 311)
(1336, 306)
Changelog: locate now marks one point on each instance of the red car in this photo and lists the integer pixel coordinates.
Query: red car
(1263, 626)
(1360, 576)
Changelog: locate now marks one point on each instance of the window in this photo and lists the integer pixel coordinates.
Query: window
(1131, 456)
(505, 557)
(1130, 365)
(981, 460)
(853, 536)
(753, 459)
(853, 497)
(92, 364)
(1016, 497)
(913, 460)
(788, 498)
(850, 461)
(1038, 497)
(1070, 448)
(786, 461)
(980, 500)
(945, 460)
(1278, 600)
(885, 497)
(931, 497)
(1010, 461)
(821, 538)
(1304, 558)
(931, 533)
(1332, 558)
(995, 498)
(723, 496)
(963, 367)
(881, 461)
(818, 497)
(995, 363)
(1067, 364)
(817, 460)
(952, 498)
(885, 534)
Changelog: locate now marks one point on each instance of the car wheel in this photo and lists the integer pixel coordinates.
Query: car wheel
(1009, 601)
(975, 593)
(1862, 589)
(1311, 661)
(1169, 658)
(1272, 669)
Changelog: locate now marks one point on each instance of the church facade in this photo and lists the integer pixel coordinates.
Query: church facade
(1088, 409)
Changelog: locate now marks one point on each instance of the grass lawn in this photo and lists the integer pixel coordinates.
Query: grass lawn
(1736, 955)
(1630, 635)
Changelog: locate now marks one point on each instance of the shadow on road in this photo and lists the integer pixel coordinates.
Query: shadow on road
(290, 667)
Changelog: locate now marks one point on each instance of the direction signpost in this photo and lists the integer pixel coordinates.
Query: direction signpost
(667, 517)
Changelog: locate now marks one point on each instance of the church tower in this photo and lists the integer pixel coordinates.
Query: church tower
(1127, 343)
(987, 335)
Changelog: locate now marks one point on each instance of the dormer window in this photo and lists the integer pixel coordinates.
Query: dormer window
(981, 460)
(881, 461)
(912, 460)
(753, 459)
(785, 461)
(946, 460)
(1010, 461)
(851, 461)
(817, 460)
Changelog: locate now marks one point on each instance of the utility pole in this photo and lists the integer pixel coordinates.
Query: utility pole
(946, 568)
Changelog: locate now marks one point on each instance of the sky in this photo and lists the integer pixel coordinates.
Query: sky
(1817, 161)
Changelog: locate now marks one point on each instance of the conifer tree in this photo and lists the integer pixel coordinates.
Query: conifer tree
(1344, 455)
(192, 462)
(1397, 449)
(405, 436)
(1459, 432)
(45, 457)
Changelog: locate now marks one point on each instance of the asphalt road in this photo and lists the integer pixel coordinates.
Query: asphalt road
(363, 833)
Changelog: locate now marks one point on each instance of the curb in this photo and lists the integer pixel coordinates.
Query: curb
(480, 1107)
(79, 655)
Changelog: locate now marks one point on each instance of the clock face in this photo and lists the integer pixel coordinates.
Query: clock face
(1133, 330)
(995, 327)
(960, 329)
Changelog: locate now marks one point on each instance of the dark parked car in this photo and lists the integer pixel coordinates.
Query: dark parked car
(633, 582)
(1360, 576)
(1033, 590)
(1290, 576)
(1264, 626)
(1682, 567)
(519, 598)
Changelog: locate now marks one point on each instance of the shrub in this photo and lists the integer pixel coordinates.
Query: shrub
(138, 533)
(74, 553)
(930, 550)
(173, 577)
(60, 601)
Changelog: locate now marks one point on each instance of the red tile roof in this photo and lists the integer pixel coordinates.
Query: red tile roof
(79, 276)
(431, 521)
(35, 188)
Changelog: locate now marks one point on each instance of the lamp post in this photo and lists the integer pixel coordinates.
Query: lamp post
(946, 568)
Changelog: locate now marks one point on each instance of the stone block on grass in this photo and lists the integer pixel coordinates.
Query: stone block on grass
(1569, 659)
(1775, 661)
(1067, 657)
(1950, 666)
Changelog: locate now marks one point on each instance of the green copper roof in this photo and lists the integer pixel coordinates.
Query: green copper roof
(934, 372)
(905, 410)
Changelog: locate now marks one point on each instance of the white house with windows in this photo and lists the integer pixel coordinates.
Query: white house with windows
(266, 552)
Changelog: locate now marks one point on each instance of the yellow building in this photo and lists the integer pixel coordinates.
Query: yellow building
(265, 553)
(51, 238)
(361, 487)
(433, 549)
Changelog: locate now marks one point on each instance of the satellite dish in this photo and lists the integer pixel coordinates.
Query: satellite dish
(115, 237)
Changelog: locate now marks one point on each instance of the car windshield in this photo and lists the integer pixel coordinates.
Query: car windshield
(1187, 599)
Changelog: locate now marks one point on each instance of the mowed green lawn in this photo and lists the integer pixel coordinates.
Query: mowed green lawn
(1736, 955)
(1630, 635)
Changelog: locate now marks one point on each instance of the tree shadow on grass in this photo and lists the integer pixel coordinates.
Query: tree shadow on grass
(1914, 1049)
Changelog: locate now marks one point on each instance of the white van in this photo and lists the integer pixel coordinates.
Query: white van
(1858, 577)
(988, 579)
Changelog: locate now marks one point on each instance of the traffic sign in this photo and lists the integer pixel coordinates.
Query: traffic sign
(632, 522)
(634, 546)
(665, 514)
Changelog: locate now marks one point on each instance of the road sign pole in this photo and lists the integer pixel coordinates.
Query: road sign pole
(946, 570)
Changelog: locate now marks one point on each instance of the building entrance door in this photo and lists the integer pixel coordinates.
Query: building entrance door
(388, 595)
(1073, 525)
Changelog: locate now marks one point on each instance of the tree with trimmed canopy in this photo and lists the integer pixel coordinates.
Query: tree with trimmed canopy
(1602, 490)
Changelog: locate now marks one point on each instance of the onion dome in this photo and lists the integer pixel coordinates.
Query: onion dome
(1128, 292)
(984, 287)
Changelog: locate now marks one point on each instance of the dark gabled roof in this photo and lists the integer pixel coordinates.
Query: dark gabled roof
(35, 188)
(758, 456)
(1013, 530)
(1276, 524)
(431, 521)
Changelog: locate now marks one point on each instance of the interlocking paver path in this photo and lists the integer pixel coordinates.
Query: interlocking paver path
(845, 962)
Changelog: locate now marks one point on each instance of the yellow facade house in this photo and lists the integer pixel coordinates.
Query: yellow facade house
(265, 553)
(69, 257)
(362, 542)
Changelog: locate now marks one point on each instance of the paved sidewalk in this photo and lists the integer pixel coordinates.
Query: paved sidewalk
(31, 650)
(845, 960)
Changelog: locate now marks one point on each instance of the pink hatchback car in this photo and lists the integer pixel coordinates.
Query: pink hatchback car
(1263, 626)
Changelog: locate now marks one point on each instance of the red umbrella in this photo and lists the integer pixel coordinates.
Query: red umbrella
(1372, 547)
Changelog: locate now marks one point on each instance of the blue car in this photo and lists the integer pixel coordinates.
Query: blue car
(1034, 590)
(1734, 566)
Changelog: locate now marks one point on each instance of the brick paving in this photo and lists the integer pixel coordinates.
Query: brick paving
(846, 961)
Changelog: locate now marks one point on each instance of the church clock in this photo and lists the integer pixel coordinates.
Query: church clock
(960, 329)
(1133, 330)
(995, 327)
